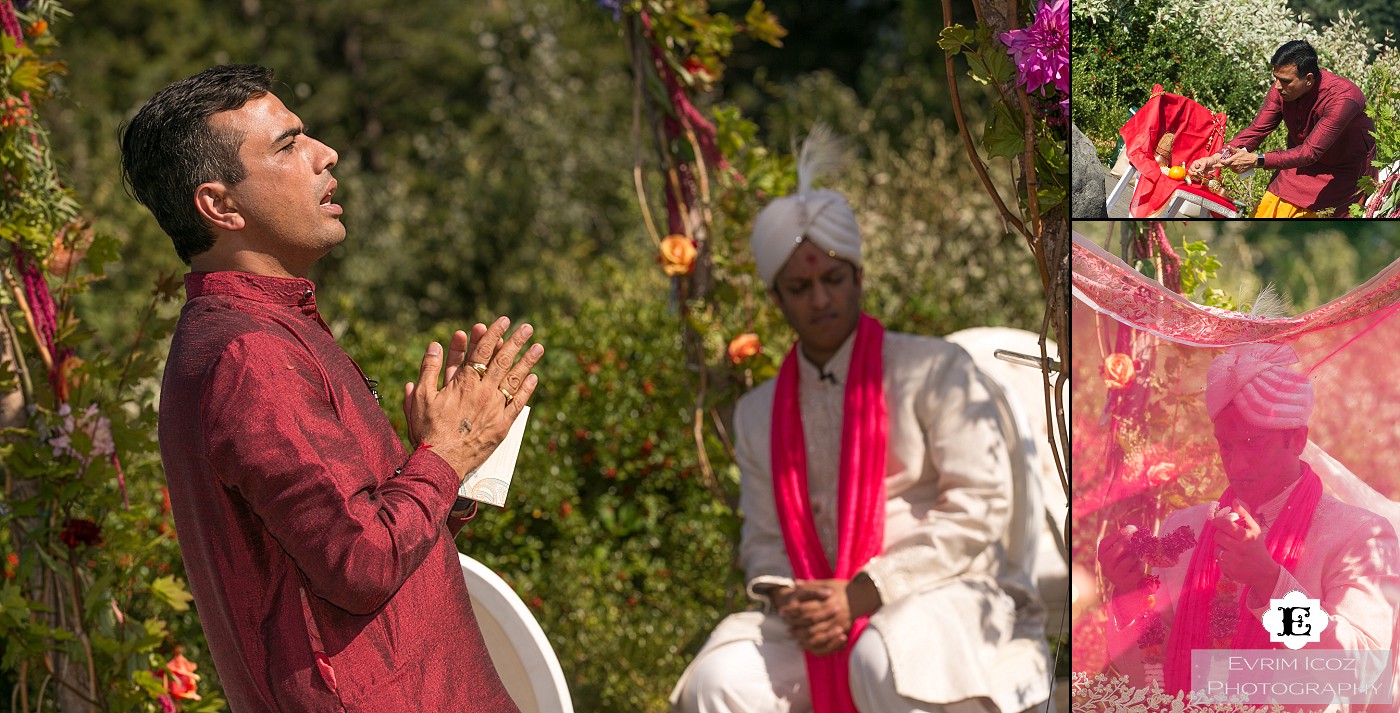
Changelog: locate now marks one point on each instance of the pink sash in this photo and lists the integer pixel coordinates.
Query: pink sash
(1191, 625)
(860, 499)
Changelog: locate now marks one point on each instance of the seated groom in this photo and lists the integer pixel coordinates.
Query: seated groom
(1273, 531)
(875, 484)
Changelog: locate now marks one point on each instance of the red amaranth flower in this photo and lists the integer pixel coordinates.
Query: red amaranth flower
(81, 532)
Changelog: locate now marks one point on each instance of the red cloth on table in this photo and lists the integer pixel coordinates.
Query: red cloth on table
(1330, 146)
(1198, 133)
(319, 550)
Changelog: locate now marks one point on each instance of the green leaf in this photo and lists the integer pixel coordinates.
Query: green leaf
(1049, 197)
(147, 681)
(155, 628)
(988, 65)
(207, 704)
(952, 39)
(1003, 136)
(763, 25)
(1053, 153)
(172, 591)
(26, 78)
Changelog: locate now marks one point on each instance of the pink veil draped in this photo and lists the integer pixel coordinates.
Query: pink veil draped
(1143, 445)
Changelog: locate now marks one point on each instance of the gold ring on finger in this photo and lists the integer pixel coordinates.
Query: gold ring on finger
(479, 368)
(509, 396)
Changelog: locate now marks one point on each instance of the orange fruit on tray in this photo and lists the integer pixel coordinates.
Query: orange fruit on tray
(1177, 172)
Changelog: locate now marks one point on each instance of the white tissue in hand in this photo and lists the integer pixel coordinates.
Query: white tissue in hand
(490, 482)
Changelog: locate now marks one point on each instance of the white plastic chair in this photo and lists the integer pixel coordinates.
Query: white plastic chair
(523, 656)
(1039, 505)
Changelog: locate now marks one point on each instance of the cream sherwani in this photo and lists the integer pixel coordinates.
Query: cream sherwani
(1349, 563)
(948, 627)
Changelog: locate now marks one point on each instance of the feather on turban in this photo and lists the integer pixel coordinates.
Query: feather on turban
(820, 216)
(1257, 380)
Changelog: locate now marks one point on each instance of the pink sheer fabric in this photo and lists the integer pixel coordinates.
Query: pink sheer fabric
(1143, 444)
(861, 496)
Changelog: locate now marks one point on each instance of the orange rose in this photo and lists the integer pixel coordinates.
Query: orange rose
(1160, 474)
(677, 255)
(38, 28)
(744, 346)
(69, 247)
(68, 377)
(1118, 370)
(182, 679)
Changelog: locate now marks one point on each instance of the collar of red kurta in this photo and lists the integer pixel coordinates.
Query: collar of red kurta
(260, 288)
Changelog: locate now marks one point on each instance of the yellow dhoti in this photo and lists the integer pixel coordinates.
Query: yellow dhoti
(1271, 206)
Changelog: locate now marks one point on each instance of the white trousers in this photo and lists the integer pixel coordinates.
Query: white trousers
(770, 676)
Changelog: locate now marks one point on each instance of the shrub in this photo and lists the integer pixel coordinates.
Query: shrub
(1115, 64)
(612, 535)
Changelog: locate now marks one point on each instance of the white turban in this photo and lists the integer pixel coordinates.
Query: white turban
(820, 216)
(1257, 380)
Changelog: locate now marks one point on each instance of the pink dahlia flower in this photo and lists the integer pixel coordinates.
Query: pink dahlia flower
(1041, 51)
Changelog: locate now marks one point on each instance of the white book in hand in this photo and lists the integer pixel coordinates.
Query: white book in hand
(490, 482)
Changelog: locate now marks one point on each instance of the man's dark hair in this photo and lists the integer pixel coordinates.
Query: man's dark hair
(1297, 53)
(169, 149)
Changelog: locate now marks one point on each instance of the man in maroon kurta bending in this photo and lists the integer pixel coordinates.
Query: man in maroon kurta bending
(1330, 146)
(319, 550)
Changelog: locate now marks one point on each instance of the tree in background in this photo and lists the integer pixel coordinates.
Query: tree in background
(1035, 139)
(1382, 18)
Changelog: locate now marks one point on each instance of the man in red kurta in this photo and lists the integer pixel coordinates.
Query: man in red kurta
(1330, 146)
(319, 550)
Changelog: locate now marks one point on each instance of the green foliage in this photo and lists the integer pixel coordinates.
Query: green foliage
(611, 534)
(1198, 267)
(32, 199)
(935, 272)
(1116, 62)
(1004, 135)
(1312, 267)
(1386, 116)
(1216, 53)
(1380, 16)
(91, 599)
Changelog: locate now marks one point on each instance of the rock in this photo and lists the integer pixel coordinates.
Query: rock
(1087, 178)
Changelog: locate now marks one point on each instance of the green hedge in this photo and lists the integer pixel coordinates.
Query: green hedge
(1116, 61)
(610, 535)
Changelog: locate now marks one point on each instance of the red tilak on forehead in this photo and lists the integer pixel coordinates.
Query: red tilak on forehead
(811, 259)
